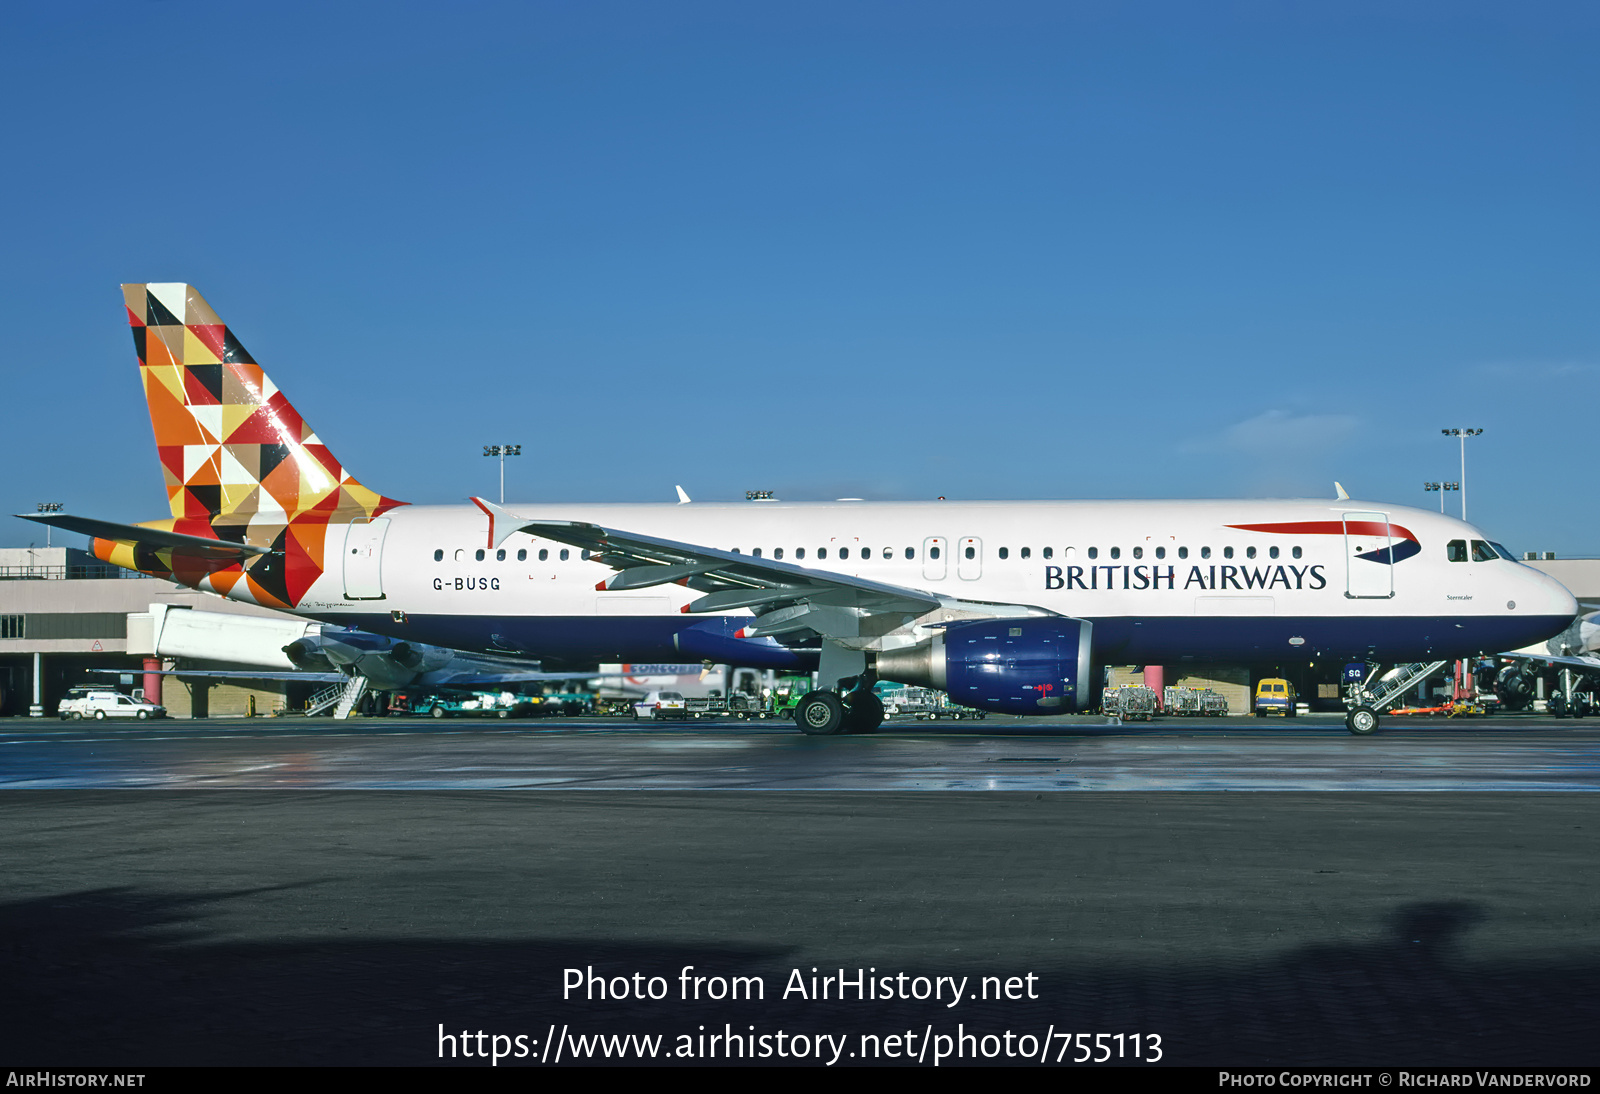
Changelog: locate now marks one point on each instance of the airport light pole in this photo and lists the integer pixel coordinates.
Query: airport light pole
(49, 507)
(1441, 487)
(1463, 434)
(502, 450)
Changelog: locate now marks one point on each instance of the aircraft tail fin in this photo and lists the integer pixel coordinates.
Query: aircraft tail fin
(232, 448)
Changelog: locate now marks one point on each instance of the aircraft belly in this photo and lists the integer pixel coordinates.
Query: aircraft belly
(1173, 640)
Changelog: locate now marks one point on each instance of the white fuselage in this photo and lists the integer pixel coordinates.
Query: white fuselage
(1162, 581)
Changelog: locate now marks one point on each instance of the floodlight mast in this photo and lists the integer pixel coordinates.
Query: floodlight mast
(49, 507)
(1463, 434)
(502, 450)
(1441, 487)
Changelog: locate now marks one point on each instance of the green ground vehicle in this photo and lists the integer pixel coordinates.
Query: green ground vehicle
(787, 693)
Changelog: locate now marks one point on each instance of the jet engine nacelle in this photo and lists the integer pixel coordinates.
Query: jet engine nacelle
(387, 662)
(1009, 666)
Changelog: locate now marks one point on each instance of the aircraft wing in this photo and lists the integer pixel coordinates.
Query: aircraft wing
(237, 674)
(729, 580)
(1578, 662)
(784, 597)
(153, 538)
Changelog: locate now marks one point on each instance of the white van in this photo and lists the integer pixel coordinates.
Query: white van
(107, 704)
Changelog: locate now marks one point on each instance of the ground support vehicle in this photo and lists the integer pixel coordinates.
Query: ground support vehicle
(103, 704)
(787, 694)
(911, 702)
(473, 705)
(704, 707)
(1111, 702)
(660, 705)
(1136, 703)
(1274, 695)
(1213, 705)
(943, 708)
(749, 707)
(560, 704)
(1184, 702)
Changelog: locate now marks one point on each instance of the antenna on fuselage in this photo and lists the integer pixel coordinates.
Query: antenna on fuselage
(683, 496)
(1339, 494)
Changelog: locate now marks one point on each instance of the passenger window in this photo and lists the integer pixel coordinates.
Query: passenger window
(500, 555)
(1272, 552)
(822, 552)
(565, 554)
(1482, 552)
(777, 553)
(544, 554)
(1227, 552)
(1295, 552)
(438, 556)
(799, 552)
(1249, 552)
(1456, 551)
(1138, 552)
(1205, 552)
(1116, 552)
(933, 553)
(1183, 552)
(1094, 552)
(911, 553)
(1161, 552)
(972, 552)
(1049, 552)
(479, 554)
(756, 552)
(1002, 552)
(888, 554)
(1027, 552)
(522, 554)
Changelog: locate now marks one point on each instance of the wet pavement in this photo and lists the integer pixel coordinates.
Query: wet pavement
(1077, 754)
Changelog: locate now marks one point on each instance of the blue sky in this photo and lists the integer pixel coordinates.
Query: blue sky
(886, 250)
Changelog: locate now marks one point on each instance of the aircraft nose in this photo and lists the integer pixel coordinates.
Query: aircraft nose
(1547, 596)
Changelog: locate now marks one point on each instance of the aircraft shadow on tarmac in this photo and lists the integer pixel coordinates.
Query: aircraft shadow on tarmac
(124, 977)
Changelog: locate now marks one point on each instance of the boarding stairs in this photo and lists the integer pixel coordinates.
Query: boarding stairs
(342, 697)
(1392, 686)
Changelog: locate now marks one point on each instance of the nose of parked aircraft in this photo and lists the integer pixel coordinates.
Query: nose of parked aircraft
(1543, 597)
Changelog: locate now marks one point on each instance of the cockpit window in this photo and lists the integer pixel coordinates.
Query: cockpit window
(1505, 554)
(1457, 550)
(1482, 552)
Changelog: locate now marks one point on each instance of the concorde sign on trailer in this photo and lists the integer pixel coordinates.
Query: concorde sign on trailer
(1006, 605)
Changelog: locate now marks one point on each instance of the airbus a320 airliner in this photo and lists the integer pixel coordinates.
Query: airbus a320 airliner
(1008, 606)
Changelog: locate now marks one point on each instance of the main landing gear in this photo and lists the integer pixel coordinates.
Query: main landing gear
(824, 713)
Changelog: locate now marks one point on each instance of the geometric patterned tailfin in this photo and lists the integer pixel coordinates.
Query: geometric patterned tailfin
(231, 446)
(240, 464)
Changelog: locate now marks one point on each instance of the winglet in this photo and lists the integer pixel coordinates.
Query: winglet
(503, 523)
(1339, 493)
(683, 497)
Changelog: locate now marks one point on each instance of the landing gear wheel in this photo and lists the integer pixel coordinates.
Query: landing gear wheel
(820, 713)
(865, 713)
(1362, 721)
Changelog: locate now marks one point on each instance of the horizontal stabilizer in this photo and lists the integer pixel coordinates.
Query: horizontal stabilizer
(154, 538)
